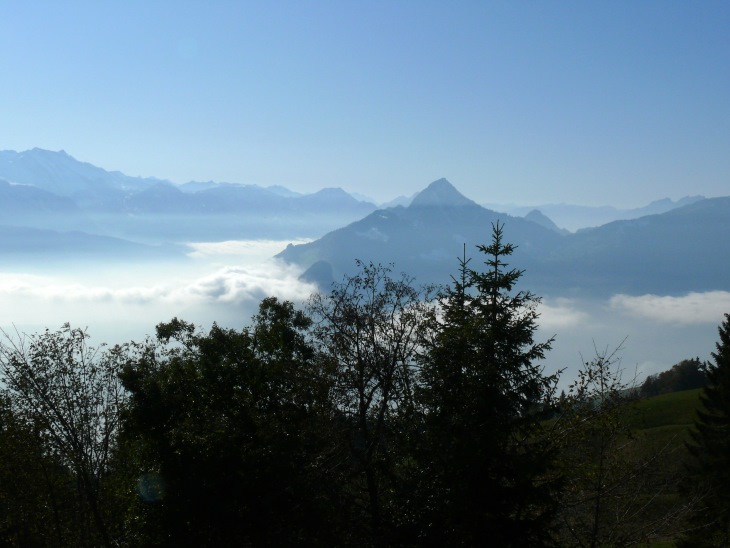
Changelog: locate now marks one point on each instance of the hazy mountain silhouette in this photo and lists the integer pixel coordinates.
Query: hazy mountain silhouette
(537, 216)
(54, 205)
(682, 250)
(28, 206)
(61, 174)
(423, 239)
(34, 245)
(78, 195)
(441, 194)
(576, 217)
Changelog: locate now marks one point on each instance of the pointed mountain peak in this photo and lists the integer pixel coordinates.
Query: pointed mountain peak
(440, 193)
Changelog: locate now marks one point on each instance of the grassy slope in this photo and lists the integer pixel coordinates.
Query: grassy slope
(674, 409)
(661, 425)
(645, 470)
(665, 420)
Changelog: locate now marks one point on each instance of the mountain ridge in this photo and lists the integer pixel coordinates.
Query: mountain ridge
(151, 210)
(672, 252)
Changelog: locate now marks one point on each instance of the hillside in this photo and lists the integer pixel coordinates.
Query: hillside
(675, 252)
(423, 239)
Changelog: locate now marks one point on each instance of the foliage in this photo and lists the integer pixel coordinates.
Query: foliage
(224, 428)
(31, 487)
(710, 447)
(381, 416)
(484, 395)
(685, 375)
(69, 395)
(368, 330)
(621, 482)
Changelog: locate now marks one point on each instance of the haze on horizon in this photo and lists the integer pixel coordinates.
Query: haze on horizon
(615, 103)
(225, 282)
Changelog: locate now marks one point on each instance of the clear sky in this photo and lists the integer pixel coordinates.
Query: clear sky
(604, 102)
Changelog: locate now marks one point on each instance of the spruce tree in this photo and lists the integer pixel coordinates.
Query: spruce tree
(710, 447)
(484, 396)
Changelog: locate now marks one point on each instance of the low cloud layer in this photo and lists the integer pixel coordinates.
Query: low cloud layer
(560, 314)
(231, 285)
(693, 308)
(247, 250)
(225, 283)
(235, 285)
(129, 304)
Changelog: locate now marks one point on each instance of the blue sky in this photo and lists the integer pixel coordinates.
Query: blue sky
(516, 102)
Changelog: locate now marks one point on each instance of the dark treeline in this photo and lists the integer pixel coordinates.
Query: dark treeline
(380, 415)
(685, 375)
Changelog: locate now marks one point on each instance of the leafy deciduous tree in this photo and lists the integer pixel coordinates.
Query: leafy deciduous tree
(34, 499)
(70, 393)
(226, 427)
(368, 330)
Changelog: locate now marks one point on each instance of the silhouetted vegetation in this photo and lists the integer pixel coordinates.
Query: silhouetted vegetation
(485, 459)
(686, 375)
(710, 447)
(381, 415)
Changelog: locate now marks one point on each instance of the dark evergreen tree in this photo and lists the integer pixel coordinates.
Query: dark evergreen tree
(710, 447)
(487, 463)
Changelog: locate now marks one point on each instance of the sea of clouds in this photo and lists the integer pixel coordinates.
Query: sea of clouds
(225, 281)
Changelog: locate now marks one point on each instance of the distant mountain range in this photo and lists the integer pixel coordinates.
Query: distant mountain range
(52, 191)
(21, 247)
(572, 217)
(684, 249)
(53, 205)
(576, 217)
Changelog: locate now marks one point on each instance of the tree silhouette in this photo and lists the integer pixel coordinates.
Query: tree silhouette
(71, 394)
(367, 328)
(225, 430)
(484, 395)
(710, 446)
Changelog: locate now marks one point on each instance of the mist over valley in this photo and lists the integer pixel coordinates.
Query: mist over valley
(120, 254)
